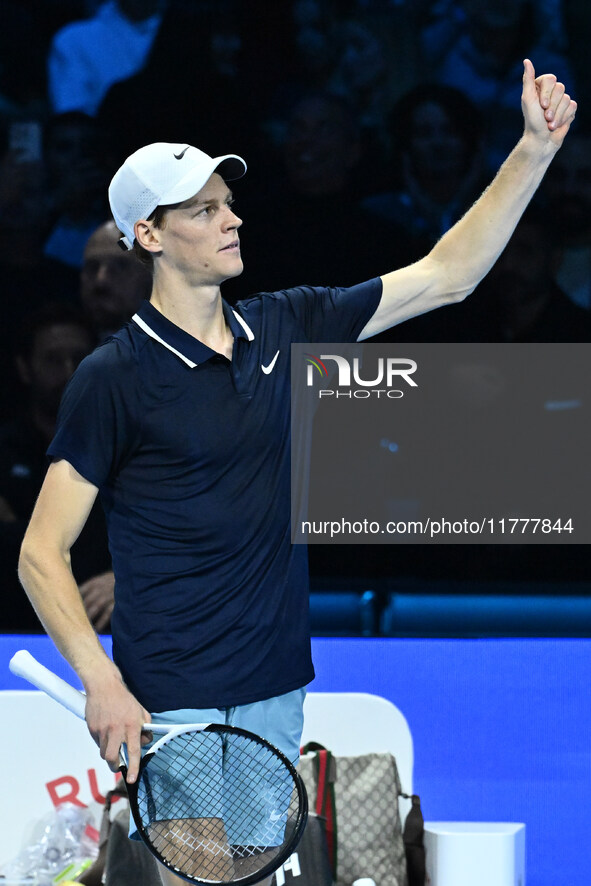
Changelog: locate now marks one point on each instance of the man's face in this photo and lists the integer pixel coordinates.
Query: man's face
(112, 283)
(199, 238)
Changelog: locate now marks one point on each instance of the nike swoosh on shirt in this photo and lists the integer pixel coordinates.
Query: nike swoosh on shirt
(269, 368)
(182, 154)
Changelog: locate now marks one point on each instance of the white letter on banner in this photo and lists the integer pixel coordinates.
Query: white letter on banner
(411, 367)
(344, 368)
(368, 384)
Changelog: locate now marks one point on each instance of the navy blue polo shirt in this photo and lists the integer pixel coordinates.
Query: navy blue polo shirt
(191, 454)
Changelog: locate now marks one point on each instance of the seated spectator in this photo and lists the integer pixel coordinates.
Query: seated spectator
(437, 163)
(113, 283)
(87, 57)
(52, 344)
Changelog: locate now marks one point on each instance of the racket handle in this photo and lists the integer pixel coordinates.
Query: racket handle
(22, 664)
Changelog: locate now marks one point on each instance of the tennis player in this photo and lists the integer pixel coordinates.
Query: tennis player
(181, 422)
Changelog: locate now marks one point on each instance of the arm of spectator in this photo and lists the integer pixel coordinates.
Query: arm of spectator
(113, 715)
(98, 596)
(466, 253)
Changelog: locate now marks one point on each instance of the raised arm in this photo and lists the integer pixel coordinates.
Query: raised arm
(463, 256)
(113, 715)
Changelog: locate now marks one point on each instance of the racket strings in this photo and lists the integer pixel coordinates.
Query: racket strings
(217, 807)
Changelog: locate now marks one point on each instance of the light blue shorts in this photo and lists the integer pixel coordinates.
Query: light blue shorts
(279, 720)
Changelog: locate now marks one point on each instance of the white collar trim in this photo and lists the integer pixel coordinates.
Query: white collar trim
(143, 325)
(245, 326)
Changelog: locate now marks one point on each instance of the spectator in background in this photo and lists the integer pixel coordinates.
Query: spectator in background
(569, 204)
(479, 48)
(53, 342)
(77, 159)
(87, 57)
(113, 283)
(437, 162)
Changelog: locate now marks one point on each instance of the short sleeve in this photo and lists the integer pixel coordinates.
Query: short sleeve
(98, 420)
(333, 314)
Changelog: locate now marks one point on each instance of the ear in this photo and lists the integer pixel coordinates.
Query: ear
(147, 235)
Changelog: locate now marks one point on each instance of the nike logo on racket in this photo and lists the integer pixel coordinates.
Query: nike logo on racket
(269, 368)
(182, 154)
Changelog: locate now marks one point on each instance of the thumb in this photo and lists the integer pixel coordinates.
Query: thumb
(529, 79)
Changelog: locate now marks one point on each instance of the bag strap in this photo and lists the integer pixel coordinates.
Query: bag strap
(325, 806)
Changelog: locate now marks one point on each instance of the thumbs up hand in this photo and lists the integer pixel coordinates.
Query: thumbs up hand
(548, 110)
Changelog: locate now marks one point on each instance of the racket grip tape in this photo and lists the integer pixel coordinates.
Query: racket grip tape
(22, 664)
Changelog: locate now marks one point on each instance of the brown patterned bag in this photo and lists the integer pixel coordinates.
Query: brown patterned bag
(358, 796)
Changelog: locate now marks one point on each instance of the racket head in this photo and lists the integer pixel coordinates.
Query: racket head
(218, 804)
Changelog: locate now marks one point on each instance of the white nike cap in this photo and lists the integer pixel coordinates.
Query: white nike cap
(161, 174)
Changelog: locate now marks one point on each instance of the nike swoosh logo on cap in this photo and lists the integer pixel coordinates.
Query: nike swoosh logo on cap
(182, 154)
(269, 368)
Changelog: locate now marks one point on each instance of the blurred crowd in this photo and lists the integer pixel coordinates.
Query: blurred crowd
(369, 127)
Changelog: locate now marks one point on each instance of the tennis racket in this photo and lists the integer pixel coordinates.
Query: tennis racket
(215, 804)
